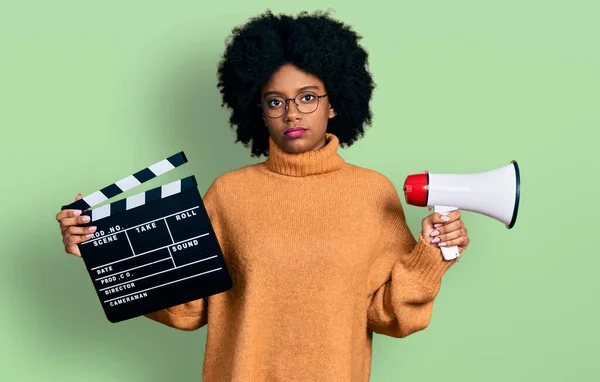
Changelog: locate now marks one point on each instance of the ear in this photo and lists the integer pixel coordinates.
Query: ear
(332, 112)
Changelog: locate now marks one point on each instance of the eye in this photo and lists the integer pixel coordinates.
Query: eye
(308, 98)
(274, 103)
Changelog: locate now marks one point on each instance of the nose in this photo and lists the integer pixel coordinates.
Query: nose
(292, 112)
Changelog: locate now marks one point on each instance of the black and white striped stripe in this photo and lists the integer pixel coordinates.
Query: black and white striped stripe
(142, 198)
(128, 183)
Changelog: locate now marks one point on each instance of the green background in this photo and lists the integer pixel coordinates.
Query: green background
(93, 91)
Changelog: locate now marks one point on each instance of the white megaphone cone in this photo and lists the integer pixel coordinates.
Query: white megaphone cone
(492, 193)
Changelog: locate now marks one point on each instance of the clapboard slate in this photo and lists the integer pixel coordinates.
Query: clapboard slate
(153, 250)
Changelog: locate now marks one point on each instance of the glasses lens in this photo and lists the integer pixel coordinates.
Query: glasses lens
(307, 102)
(274, 107)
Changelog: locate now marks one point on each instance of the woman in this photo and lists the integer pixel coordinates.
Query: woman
(319, 250)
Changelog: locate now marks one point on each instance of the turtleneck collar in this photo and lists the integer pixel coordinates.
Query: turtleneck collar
(323, 160)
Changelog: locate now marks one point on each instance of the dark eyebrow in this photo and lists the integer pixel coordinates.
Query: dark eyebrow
(310, 87)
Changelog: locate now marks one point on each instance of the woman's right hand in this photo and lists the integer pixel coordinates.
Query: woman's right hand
(71, 233)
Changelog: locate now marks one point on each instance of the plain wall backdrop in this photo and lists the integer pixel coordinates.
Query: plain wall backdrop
(93, 91)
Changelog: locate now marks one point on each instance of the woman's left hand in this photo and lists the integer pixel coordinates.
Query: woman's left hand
(445, 231)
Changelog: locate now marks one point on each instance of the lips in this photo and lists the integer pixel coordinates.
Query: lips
(294, 132)
(293, 129)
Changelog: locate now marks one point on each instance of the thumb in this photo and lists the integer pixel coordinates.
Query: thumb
(80, 197)
(426, 226)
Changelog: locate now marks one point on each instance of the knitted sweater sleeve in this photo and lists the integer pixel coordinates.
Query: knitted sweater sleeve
(406, 275)
(193, 315)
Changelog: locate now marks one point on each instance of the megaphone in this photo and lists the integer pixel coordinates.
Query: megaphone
(493, 193)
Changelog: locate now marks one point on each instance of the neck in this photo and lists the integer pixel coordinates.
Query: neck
(319, 161)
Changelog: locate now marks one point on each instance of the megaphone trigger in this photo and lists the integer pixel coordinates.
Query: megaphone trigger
(444, 210)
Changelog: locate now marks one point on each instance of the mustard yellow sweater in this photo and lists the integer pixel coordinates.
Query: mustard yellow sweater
(321, 257)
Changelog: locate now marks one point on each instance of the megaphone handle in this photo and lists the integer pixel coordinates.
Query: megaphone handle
(449, 253)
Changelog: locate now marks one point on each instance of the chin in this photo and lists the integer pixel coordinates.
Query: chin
(295, 149)
(295, 146)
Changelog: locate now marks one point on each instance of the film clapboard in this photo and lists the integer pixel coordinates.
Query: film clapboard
(152, 250)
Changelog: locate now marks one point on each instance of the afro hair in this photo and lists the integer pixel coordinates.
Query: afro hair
(317, 44)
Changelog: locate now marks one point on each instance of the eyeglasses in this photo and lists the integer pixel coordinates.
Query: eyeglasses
(306, 102)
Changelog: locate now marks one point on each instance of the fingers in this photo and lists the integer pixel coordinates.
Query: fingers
(74, 235)
(451, 235)
(69, 240)
(447, 231)
(461, 242)
(450, 227)
(74, 230)
(72, 221)
(436, 220)
(452, 216)
(71, 234)
(68, 213)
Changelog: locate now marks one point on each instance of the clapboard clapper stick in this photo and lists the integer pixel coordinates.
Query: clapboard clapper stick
(142, 198)
(128, 182)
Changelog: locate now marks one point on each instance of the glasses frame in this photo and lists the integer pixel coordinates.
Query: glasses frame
(285, 101)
